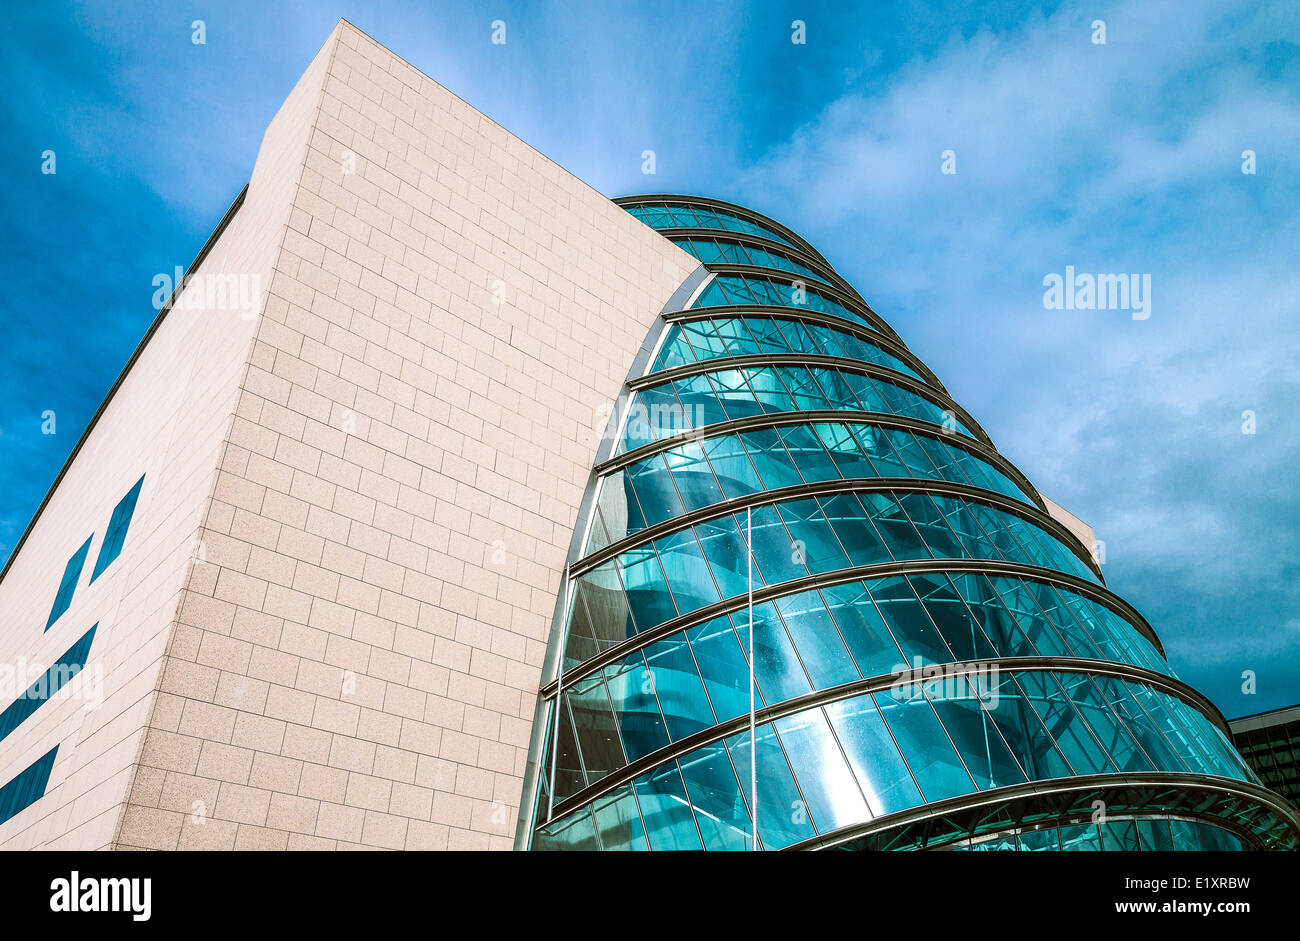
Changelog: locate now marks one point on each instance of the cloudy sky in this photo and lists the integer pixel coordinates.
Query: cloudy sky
(1125, 157)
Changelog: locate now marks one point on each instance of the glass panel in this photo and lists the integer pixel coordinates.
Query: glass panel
(735, 472)
(1064, 724)
(1155, 835)
(817, 640)
(1082, 836)
(930, 754)
(715, 794)
(688, 576)
(598, 733)
(723, 666)
(648, 597)
(567, 765)
(771, 458)
(856, 534)
(782, 818)
(815, 541)
(693, 477)
(575, 832)
(911, 626)
(951, 616)
(1008, 708)
(724, 547)
(829, 788)
(666, 810)
(777, 670)
(970, 724)
(631, 690)
(774, 552)
(677, 683)
(618, 822)
(654, 490)
(864, 631)
(876, 762)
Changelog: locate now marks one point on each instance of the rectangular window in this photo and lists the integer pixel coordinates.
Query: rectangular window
(28, 787)
(54, 679)
(116, 535)
(71, 575)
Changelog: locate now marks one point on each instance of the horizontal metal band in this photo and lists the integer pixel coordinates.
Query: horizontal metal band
(1042, 793)
(829, 487)
(722, 730)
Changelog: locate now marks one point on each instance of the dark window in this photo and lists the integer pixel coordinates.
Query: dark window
(69, 665)
(28, 787)
(116, 535)
(71, 574)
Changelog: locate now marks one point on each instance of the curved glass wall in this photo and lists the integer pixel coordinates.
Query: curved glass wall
(708, 561)
(922, 630)
(661, 215)
(735, 252)
(697, 401)
(1133, 833)
(698, 341)
(697, 474)
(750, 289)
(852, 760)
(628, 706)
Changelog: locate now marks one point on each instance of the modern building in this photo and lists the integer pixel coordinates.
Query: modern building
(426, 407)
(937, 661)
(1270, 743)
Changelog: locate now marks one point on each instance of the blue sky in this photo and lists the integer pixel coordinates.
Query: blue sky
(1123, 157)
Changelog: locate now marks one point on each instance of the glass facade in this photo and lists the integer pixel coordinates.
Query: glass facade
(1270, 743)
(923, 631)
(699, 400)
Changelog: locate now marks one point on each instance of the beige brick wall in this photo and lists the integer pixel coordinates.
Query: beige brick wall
(356, 658)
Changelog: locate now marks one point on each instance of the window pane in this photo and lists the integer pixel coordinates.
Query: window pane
(780, 820)
(876, 762)
(867, 636)
(666, 810)
(723, 666)
(817, 640)
(829, 788)
(575, 832)
(618, 822)
(715, 794)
